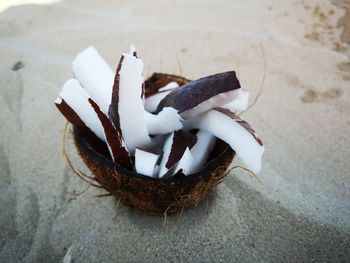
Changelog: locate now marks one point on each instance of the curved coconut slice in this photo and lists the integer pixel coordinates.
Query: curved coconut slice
(201, 150)
(227, 126)
(126, 110)
(145, 162)
(240, 103)
(173, 150)
(95, 75)
(185, 165)
(120, 154)
(166, 153)
(74, 105)
(166, 121)
(203, 94)
(151, 102)
(170, 86)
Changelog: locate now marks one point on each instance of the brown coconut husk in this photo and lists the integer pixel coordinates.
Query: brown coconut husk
(146, 194)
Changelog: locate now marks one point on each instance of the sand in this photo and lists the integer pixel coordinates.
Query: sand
(302, 210)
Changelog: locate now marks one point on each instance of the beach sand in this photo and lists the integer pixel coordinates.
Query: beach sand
(300, 212)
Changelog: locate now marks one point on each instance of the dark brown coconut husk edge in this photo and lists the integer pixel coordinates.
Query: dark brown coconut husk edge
(147, 194)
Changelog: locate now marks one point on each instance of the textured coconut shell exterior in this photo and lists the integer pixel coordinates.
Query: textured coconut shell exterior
(144, 193)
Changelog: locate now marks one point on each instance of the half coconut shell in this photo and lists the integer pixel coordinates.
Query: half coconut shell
(144, 193)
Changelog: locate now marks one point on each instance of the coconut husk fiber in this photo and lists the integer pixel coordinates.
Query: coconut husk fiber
(146, 194)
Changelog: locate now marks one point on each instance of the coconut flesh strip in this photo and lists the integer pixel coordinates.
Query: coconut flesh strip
(167, 121)
(201, 150)
(185, 165)
(151, 102)
(156, 171)
(240, 103)
(173, 150)
(166, 152)
(170, 86)
(126, 110)
(145, 162)
(203, 94)
(230, 128)
(95, 75)
(77, 99)
(116, 146)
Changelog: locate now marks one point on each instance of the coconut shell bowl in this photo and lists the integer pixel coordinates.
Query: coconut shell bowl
(144, 193)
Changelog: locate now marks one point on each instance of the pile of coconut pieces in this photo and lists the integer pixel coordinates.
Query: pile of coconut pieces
(169, 133)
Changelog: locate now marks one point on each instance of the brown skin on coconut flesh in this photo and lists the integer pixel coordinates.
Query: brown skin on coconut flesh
(126, 110)
(114, 140)
(113, 107)
(174, 149)
(195, 158)
(203, 94)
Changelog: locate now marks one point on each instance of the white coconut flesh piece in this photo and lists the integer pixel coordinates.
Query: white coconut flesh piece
(77, 99)
(95, 75)
(126, 110)
(145, 162)
(173, 150)
(186, 163)
(166, 152)
(202, 95)
(213, 102)
(116, 146)
(170, 86)
(201, 150)
(228, 127)
(151, 102)
(166, 121)
(156, 171)
(240, 103)
(133, 50)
